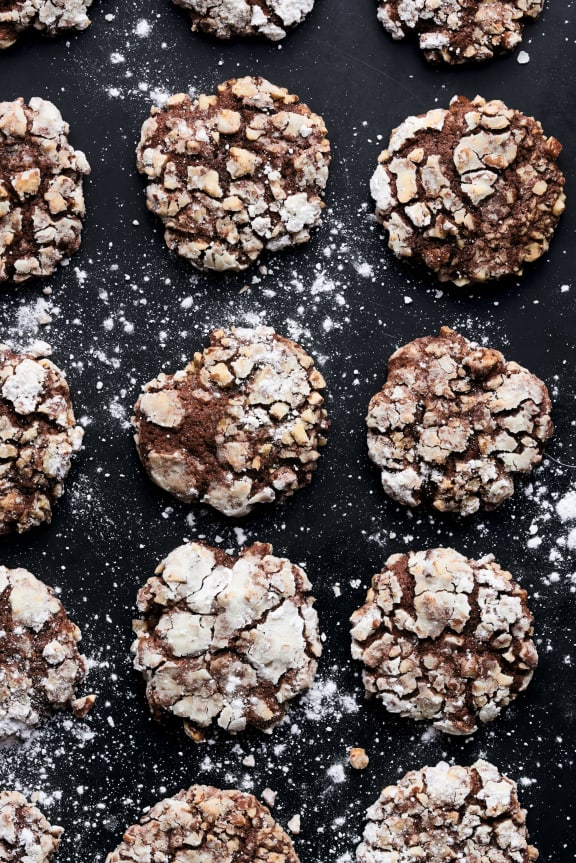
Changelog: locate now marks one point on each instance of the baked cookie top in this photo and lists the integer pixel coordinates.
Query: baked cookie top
(38, 437)
(25, 834)
(472, 192)
(49, 16)
(454, 422)
(226, 640)
(234, 173)
(459, 31)
(242, 424)
(444, 639)
(227, 19)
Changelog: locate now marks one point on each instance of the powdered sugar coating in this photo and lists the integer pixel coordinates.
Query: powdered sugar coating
(49, 16)
(454, 422)
(234, 173)
(38, 437)
(447, 812)
(457, 31)
(227, 19)
(444, 639)
(25, 834)
(226, 640)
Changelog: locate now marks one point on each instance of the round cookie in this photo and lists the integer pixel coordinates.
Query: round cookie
(41, 199)
(40, 666)
(454, 422)
(227, 19)
(234, 173)
(444, 639)
(38, 437)
(240, 425)
(446, 813)
(207, 824)
(471, 192)
(25, 834)
(226, 640)
(459, 31)
(49, 16)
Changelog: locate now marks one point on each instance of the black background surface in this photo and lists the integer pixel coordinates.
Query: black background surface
(119, 318)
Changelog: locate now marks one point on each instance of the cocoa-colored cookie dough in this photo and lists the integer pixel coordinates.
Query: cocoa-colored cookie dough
(38, 436)
(226, 640)
(25, 834)
(234, 173)
(459, 31)
(448, 813)
(49, 16)
(41, 199)
(240, 425)
(454, 422)
(40, 666)
(209, 825)
(471, 192)
(227, 19)
(444, 639)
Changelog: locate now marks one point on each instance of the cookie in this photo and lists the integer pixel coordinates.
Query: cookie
(444, 639)
(236, 173)
(41, 199)
(227, 19)
(25, 834)
(446, 813)
(40, 666)
(207, 824)
(38, 437)
(454, 423)
(226, 640)
(459, 31)
(49, 16)
(242, 424)
(472, 192)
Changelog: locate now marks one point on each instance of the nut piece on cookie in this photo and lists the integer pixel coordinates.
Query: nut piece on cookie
(454, 423)
(471, 192)
(224, 640)
(228, 19)
(48, 16)
(448, 812)
(457, 31)
(25, 834)
(38, 437)
(444, 639)
(242, 424)
(40, 666)
(235, 173)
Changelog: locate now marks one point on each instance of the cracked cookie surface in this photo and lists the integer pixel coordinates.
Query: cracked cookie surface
(226, 640)
(448, 813)
(454, 422)
(235, 173)
(459, 31)
(40, 666)
(472, 192)
(41, 198)
(25, 834)
(49, 16)
(227, 19)
(444, 639)
(38, 437)
(240, 425)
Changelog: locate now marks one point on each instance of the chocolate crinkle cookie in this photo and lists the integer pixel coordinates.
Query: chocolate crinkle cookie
(49, 16)
(234, 173)
(226, 640)
(446, 813)
(25, 834)
(209, 825)
(444, 639)
(38, 437)
(227, 19)
(40, 666)
(472, 192)
(242, 424)
(459, 31)
(41, 199)
(454, 422)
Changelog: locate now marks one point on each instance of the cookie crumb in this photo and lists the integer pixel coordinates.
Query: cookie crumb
(358, 758)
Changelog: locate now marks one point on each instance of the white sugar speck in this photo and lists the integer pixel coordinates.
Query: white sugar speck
(523, 57)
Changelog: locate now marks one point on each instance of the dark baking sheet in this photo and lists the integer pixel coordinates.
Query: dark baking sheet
(125, 309)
